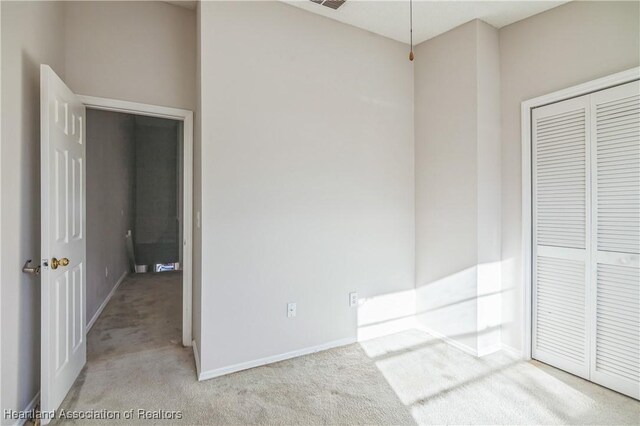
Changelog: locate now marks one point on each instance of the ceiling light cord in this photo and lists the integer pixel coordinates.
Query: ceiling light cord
(411, 29)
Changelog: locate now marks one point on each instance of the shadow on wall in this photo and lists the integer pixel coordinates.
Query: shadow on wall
(26, 349)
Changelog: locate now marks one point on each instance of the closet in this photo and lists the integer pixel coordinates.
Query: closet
(586, 236)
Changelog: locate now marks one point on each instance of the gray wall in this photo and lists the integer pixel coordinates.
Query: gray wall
(446, 196)
(568, 45)
(110, 201)
(31, 35)
(307, 171)
(141, 51)
(76, 36)
(156, 211)
(457, 163)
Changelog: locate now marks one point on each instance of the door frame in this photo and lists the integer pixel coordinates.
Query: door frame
(186, 117)
(527, 188)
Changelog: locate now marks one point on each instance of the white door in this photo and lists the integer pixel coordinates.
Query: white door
(561, 219)
(615, 270)
(586, 228)
(63, 244)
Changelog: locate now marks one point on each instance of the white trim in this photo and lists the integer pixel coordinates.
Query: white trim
(186, 117)
(205, 375)
(1, 209)
(456, 344)
(135, 108)
(373, 331)
(30, 406)
(512, 351)
(526, 107)
(196, 358)
(490, 350)
(105, 302)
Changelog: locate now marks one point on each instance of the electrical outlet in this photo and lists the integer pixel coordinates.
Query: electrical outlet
(353, 299)
(291, 310)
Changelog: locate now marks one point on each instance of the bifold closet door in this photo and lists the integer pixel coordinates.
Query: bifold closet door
(615, 268)
(561, 219)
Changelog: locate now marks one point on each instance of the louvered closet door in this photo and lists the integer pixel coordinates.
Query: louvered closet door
(615, 269)
(561, 218)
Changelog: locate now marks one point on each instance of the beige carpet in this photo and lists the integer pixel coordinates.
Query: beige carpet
(135, 362)
(144, 313)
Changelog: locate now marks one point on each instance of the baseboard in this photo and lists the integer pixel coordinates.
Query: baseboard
(30, 406)
(373, 331)
(210, 374)
(196, 358)
(465, 348)
(106, 300)
(490, 350)
(513, 351)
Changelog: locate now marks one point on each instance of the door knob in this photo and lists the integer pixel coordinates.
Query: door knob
(62, 262)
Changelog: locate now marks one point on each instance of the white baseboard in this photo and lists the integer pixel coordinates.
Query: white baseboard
(513, 351)
(368, 332)
(196, 358)
(205, 375)
(30, 406)
(490, 350)
(106, 300)
(456, 344)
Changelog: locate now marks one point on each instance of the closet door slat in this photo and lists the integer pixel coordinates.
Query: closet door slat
(561, 219)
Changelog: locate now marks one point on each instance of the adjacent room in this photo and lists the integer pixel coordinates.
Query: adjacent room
(134, 232)
(320, 212)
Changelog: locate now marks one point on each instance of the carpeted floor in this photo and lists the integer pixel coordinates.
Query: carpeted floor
(144, 314)
(135, 361)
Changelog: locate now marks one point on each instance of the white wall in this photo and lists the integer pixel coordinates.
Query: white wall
(31, 34)
(446, 170)
(457, 162)
(307, 155)
(565, 46)
(489, 189)
(141, 51)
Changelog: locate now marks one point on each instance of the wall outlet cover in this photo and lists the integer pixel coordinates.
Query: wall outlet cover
(353, 299)
(291, 310)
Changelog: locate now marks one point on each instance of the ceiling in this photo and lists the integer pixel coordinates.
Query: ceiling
(390, 18)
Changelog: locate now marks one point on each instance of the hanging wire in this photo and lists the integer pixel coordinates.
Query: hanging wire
(411, 29)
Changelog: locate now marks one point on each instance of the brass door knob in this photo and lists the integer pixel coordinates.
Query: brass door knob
(62, 262)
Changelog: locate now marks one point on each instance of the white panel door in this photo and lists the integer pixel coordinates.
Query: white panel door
(615, 270)
(560, 238)
(63, 243)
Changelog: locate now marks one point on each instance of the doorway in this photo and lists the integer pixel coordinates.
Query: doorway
(160, 238)
(63, 170)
